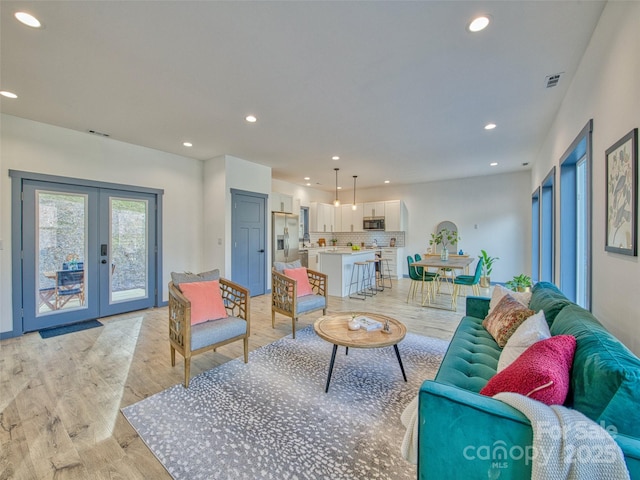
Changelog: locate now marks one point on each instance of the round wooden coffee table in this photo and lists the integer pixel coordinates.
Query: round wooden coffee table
(334, 329)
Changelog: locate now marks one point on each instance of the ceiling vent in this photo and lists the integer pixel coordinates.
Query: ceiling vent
(100, 134)
(552, 80)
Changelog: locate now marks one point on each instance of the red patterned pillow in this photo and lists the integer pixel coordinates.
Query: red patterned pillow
(541, 372)
(302, 279)
(505, 318)
(206, 301)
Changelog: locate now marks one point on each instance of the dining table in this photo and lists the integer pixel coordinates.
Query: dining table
(457, 262)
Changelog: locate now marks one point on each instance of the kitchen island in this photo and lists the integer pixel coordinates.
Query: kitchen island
(337, 264)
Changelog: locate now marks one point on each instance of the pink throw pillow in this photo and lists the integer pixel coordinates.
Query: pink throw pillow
(206, 301)
(541, 372)
(301, 277)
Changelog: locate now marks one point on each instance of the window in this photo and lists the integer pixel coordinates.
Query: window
(547, 220)
(575, 219)
(535, 236)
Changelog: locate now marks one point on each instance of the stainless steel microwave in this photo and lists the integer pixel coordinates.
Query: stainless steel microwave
(373, 223)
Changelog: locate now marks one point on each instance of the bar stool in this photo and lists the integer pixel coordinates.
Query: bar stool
(360, 276)
(385, 273)
(375, 288)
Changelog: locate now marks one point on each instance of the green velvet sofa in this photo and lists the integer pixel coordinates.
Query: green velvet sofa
(463, 434)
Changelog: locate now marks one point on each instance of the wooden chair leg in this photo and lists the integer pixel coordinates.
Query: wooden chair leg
(173, 356)
(273, 319)
(246, 349)
(293, 326)
(187, 371)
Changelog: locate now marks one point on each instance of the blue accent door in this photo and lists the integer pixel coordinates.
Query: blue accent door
(248, 240)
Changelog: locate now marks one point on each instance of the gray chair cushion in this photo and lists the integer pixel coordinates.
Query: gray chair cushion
(216, 331)
(310, 302)
(280, 266)
(187, 277)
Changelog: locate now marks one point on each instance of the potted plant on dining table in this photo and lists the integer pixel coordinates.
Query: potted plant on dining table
(444, 237)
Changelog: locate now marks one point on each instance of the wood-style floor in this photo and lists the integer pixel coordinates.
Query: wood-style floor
(60, 398)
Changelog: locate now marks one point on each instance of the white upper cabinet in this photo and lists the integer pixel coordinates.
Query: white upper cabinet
(352, 219)
(323, 217)
(374, 209)
(395, 216)
(281, 202)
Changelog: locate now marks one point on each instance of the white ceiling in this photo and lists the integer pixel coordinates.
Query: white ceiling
(400, 90)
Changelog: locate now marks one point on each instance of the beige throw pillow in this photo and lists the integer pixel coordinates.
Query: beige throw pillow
(499, 291)
(503, 321)
(532, 330)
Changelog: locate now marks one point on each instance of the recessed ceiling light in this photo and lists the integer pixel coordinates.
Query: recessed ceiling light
(339, 188)
(335, 157)
(307, 178)
(4, 93)
(490, 126)
(251, 118)
(493, 164)
(308, 184)
(479, 23)
(387, 181)
(188, 144)
(28, 19)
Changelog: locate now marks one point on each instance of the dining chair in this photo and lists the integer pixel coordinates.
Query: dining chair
(69, 286)
(472, 281)
(419, 279)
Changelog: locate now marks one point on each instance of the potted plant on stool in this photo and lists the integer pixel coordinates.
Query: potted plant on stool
(487, 268)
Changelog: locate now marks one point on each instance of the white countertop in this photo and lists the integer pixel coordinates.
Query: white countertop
(345, 251)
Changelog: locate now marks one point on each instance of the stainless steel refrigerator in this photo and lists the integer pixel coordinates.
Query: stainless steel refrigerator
(284, 228)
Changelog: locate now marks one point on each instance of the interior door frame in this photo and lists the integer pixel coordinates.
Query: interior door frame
(18, 178)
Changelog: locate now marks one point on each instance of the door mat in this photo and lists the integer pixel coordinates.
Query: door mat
(75, 327)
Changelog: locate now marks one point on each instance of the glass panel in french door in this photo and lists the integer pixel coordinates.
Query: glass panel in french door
(58, 274)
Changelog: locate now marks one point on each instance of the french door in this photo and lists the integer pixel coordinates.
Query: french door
(87, 252)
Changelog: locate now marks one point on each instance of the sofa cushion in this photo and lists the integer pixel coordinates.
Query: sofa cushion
(499, 291)
(541, 372)
(472, 357)
(187, 277)
(605, 382)
(546, 296)
(311, 302)
(532, 330)
(505, 318)
(216, 331)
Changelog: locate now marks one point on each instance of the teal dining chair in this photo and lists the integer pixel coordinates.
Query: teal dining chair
(472, 281)
(419, 279)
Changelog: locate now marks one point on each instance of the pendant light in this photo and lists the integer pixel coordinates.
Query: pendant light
(337, 201)
(354, 206)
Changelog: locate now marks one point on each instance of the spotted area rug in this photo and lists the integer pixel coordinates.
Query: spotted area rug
(271, 419)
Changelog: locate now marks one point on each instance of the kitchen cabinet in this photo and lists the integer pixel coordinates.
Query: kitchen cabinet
(351, 220)
(395, 258)
(395, 216)
(374, 209)
(281, 202)
(322, 217)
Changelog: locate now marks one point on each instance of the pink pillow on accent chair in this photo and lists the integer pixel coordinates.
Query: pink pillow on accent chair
(302, 279)
(541, 372)
(206, 301)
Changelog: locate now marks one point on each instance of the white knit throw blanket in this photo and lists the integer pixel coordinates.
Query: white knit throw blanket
(568, 445)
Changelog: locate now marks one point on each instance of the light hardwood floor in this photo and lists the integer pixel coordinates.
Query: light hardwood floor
(61, 397)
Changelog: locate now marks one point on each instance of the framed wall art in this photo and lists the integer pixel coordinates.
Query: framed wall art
(622, 195)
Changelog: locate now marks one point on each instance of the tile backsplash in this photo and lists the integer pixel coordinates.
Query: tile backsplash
(383, 239)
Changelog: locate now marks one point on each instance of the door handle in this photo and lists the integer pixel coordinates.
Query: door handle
(103, 260)
(261, 250)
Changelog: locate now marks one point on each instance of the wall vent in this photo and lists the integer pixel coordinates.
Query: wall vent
(100, 134)
(552, 80)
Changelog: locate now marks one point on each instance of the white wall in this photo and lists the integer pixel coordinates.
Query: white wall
(38, 147)
(606, 88)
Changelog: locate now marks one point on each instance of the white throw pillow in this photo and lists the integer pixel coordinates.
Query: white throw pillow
(499, 291)
(532, 330)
